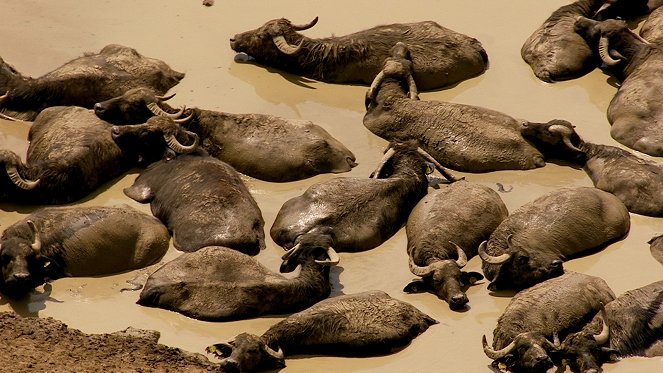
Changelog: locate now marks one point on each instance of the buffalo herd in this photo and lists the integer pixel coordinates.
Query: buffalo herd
(106, 114)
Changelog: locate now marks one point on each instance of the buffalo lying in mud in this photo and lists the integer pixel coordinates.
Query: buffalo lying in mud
(72, 152)
(55, 242)
(442, 57)
(360, 213)
(203, 202)
(363, 324)
(652, 28)
(634, 112)
(83, 81)
(526, 338)
(281, 149)
(555, 51)
(461, 137)
(628, 326)
(219, 284)
(532, 243)
(443, 231)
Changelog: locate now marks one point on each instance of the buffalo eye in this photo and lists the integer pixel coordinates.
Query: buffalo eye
(523, 259)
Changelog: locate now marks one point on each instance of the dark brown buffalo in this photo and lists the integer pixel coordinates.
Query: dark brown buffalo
(83, 81)
(364, 324)
(203, 202)
(442, 57)
(652, 28)
(626, 9)
(55, 242)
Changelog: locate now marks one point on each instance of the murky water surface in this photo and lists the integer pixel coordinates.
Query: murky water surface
(38, 36)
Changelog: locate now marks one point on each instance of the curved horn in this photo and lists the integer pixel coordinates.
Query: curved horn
(462, 258)
(275, 354)
(156, 110)
(17, 179)
(388, 154)
(4, 97)
(497, 354)
(603, 337)
(184, 120)
(333, 260)
(289, 253)
(565, 133)
(419, 271)
(306, 26)
(178, 147)
(437, 164)
(492, 259)
(165, 98)
(36, 242)
(372, 91)
(603, 52)
(284, 46)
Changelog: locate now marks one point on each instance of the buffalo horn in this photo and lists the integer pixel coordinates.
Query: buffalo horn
(165, 98)
(156, 110)
(333, 260)
(306, 26)
(36, 242)
(603, 52)
(437, 164)
(603, 337)
(388, 154)
(178, 147)
(275, 354)
(420, 271)
(284, 46)
(4, 97)
(565, 133)
(17, 179)
(289, 253)
(492, 259)
(497, 354)
(462, 258)
(372, 91)
(184, 120)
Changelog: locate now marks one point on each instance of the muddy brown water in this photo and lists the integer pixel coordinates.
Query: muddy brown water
(39, 36)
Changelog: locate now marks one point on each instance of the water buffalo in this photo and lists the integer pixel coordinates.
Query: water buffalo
(219, 284)
(526, 338)
(555, 51)
(71, 153)
(281, 149)
(83, 81)
(652, 28)
(443, 231)
(364, 324)
(203, 202)
(626, 9)
(462, 137)
(361, 213)
(531, 244)
(442, 57)
(634, 112)
(628, 326)
(656, 248)
(55, 242)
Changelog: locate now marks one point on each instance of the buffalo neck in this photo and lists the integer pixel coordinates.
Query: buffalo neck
(635, 52)
(389, 90)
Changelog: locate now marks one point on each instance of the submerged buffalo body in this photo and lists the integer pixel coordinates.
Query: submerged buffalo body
(652, 28)
(217, 283)
(443, 57)
(363, 324)
(532, 243)
(555, 51)
(631, 325)
(444, 230)
(461, 137)
(526, 336)
(203, 202)
(83, 81)
(78, 241)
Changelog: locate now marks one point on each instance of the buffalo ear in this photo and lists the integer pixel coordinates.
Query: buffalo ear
(470, 278)
(609, 354)
(416, 286)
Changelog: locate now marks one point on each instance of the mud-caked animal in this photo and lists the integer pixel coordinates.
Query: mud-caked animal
(220, 284)
(56, 242)
(656, 248)
(364, 324)
(628, 326)
(526, 337)
(444, 231)
(462, 137)
(361, 213)
(203, 202)
(652, 28)
(83, 81)
(442, 56)
(280, 149)
(533, 242)
(72, 152)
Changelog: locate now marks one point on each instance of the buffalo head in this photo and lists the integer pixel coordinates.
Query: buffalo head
(246, 353)
(271, 42)
(445, 279)
(14, 167)
(315, 245)
(518, 267)
(556, 139)
(585, 352)
(528, 352)
(137, 105)
(397, 67)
